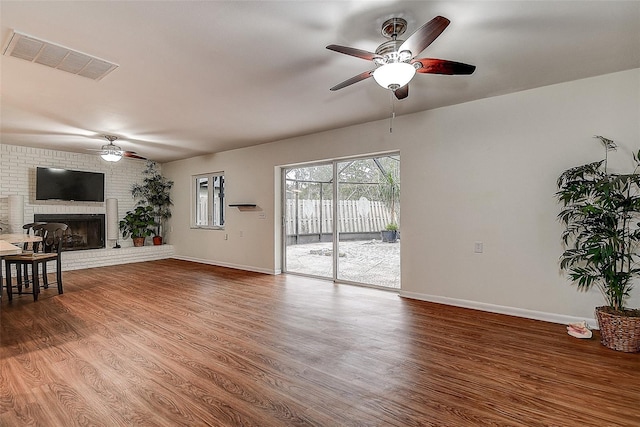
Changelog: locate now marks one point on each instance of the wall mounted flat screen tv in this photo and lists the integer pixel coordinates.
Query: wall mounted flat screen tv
(65, 184)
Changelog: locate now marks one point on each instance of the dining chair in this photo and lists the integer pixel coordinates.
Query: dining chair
(50, 250)
(35, 229)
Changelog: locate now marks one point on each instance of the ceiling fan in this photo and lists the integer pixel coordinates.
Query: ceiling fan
(112, 153)
(396, 61)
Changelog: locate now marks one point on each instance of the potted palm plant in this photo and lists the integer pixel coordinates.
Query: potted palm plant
(601, 214)
(389, 190)
(155, 191)
(138, 224)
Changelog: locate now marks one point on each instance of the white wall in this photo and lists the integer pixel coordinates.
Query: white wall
(252, 176)
(487, 172)
(18, 176)
(482, 171)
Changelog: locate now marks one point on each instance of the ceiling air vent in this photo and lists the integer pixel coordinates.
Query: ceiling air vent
(59, 57)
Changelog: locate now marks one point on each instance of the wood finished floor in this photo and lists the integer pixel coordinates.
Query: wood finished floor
(174, 343)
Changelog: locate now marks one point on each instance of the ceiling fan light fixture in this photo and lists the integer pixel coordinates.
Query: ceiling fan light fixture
(111, 152)
(394, 75)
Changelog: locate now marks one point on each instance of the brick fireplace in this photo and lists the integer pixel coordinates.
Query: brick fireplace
(86, 231)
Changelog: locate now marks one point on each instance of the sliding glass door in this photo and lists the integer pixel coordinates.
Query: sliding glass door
(336, 217)
(369, 203)
(308, 220)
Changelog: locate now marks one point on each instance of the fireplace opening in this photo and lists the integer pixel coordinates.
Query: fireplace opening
(86, 231)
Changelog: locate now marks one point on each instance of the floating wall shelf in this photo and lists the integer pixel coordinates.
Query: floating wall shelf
(244, 206)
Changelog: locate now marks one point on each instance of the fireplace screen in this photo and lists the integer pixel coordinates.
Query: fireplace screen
(86, 231)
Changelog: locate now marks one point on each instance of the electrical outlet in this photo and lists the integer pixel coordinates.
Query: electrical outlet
(241, 233)
(478, 247)
(226, 236)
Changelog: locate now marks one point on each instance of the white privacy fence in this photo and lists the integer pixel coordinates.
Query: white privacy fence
(354, 216)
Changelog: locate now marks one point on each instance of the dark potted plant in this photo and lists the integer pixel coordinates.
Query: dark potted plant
(155, 191)
(390, 233)
(138, 224)
(601, 214)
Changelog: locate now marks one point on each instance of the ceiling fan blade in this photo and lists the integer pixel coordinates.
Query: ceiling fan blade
(352, 80)
(133, 155)
(442, 66)
(425, 35)
(358, 53)
(403, 92)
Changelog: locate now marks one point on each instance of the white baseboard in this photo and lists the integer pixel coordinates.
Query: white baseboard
(501, 309)
(228, 265)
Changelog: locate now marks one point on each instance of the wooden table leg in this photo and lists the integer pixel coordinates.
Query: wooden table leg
(36, 280)
(8, 272)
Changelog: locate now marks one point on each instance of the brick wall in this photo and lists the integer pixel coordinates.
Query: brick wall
(76, 260)
(18, 176)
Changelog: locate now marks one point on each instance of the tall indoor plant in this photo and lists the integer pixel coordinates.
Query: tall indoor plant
(601, 215)
(155, 191)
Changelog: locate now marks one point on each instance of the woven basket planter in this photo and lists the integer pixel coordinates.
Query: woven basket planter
(619, 332)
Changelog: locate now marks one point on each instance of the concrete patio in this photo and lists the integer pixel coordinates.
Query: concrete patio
(370, 262)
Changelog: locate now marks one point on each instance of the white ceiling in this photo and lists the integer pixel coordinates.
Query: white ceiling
(207, 76)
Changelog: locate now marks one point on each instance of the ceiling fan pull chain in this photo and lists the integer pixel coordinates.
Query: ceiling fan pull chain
(393, 112)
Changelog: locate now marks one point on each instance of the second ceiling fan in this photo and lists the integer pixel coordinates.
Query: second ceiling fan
(396, 61)
(112, 153)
